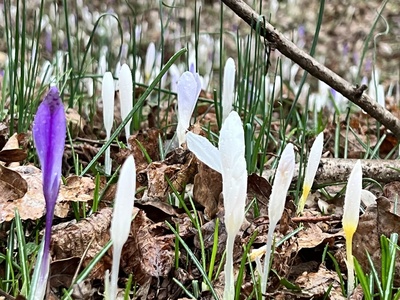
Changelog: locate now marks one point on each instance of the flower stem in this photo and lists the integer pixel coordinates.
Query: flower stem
(229, 290)
(350, 264)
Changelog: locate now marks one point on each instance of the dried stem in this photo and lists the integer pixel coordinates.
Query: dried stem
(354, 93)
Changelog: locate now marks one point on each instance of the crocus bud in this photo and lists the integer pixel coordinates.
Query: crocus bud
(49, 131)
(351, 213)
(126, 96)
(150, 60)
(311, 169)
(283, 178)
(121, 222)
(107, 93)
(234, 188)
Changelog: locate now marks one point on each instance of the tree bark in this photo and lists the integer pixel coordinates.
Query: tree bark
(333, 170)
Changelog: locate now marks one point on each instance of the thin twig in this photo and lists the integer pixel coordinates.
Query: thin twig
(309, 219)
(354, 93)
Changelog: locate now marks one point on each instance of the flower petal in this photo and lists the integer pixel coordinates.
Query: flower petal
(188, 93)
(49, 131)
(352, 200)
(234, 173)
(204, 151)
(228, 89)
(108, 94)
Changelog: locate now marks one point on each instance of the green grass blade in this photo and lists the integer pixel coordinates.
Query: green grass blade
(363, 279)
(138, 104)
(390, 267)
(214, 250)
(9, 271)
(195, 261)
(238, 285)
(375, 276)
(23, 257)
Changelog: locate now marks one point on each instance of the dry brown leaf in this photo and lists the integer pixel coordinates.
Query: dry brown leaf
(76, 189)
(179, 167)
(62, 272)
(12, 185)
(258, 187)
(12, 143)
(312, 236)
(157, 184)
(32, 204)
(76, 123)
(72, 239)
(207, 188)
(391, 191)
(157, 211)
(188, 168)
(12, 155)
(316, 284)
(11, 152)
(357, 294)
(149, 140)
(148, 251)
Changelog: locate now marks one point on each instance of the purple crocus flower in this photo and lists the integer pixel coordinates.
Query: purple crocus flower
(49, 131)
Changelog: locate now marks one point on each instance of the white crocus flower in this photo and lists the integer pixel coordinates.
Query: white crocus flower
(230, 162)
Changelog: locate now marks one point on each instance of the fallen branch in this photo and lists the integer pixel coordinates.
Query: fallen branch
(334, 170)
(354, 93)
